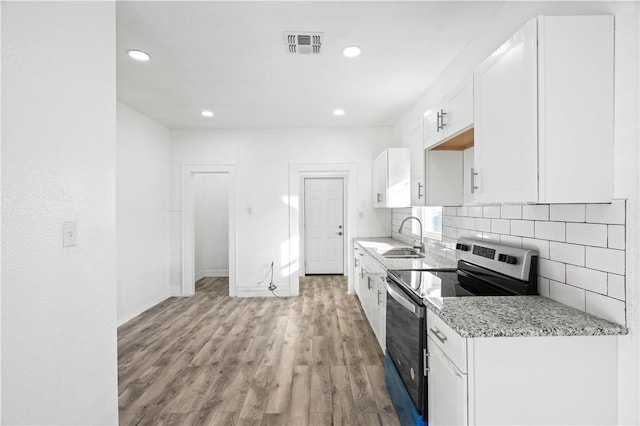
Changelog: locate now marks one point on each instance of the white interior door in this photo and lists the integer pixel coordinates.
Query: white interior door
(324, 225)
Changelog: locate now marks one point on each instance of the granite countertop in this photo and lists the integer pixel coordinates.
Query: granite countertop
(432, 260)
(518, 316)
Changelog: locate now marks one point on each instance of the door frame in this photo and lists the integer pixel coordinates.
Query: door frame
(188, 224)
(297, 172)
(303, 235)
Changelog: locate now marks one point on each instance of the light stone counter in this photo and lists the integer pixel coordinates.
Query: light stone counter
(434, 258)
(518, 316)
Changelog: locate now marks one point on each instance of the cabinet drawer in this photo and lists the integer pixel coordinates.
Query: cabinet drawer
(370, 264)
(452, 344)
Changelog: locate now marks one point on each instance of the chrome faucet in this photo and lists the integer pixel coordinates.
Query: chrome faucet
(417, 245)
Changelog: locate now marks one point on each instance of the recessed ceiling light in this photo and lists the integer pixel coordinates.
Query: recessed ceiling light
(351, 51)
(139, 55)
(338, 112)
(207, 113)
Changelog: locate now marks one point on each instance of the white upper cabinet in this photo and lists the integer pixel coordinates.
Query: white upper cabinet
(416, 147)
(543, 114)
(391, 178)
(450, 116)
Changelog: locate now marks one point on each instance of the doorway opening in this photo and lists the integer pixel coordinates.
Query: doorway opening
(211, 230)
(323, 224)
(207, 249)
(296, 246)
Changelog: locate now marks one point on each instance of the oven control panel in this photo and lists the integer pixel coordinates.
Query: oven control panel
(508, 260)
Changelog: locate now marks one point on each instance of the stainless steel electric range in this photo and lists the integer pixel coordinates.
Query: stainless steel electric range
(484, 269)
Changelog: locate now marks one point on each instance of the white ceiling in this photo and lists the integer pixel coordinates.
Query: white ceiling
(230, 57)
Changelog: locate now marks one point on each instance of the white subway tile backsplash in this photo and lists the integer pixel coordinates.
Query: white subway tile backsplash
(535, 212)
(567, 253)
(522, 228)
(552, 270)
(448, 231)
(475, 211)
(581, 248)
(588, 279)
(606, 307)
(543, 286)
(483, 224)
(462, 211)
(501, 226)
(511, 211)
(604, 259)
(616, 237)
(554, 231)
(467, 222)
(449, 211)
(448, 221)
(588, 234)
(613, 213)
(616, 287)
(541, 246)
(491, 212)
(511, 240)
(567, 212)
(572, 296)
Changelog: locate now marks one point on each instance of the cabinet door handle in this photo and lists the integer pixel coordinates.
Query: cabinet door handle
(438, 335)
(473, 180)
(379, 197)
(419, 190)
(442, 123)
(438, 121)
(338, 233)
(379, 294)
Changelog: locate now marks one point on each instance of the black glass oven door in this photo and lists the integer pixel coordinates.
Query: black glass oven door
(405, 340)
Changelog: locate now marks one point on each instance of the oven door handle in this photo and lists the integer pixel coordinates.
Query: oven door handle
(403, 301)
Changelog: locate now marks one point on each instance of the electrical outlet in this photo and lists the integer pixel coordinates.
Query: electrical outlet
(69, 234)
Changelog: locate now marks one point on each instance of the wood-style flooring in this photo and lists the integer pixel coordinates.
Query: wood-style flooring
(212, 359)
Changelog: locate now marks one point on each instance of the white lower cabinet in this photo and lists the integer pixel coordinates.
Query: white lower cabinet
(447, 388)
(373, 294)
(357, 275)
(551, 380)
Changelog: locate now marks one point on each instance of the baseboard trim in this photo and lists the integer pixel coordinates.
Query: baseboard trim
(140, 310)
(206, 273)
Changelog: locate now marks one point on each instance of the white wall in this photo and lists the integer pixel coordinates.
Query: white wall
(211, 213)
(59, 351)
(263, 158)
(142, 214)
(507, 20)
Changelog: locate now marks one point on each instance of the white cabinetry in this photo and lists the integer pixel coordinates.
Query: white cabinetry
(357, 276)
(468, 178)
(436, 175)
(568, 380)
(447, 388)
(373, 294)
(416, 147)
(450, 116)
(391, 178)
(543, 104)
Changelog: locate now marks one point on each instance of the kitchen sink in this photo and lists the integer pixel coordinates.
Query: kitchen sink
(402, 253)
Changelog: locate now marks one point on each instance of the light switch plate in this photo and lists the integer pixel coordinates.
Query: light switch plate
(69, 234)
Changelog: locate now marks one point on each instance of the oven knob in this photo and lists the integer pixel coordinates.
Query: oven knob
(511, 260)
(463, 247)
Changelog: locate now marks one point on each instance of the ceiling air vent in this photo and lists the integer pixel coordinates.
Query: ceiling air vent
(303, 43)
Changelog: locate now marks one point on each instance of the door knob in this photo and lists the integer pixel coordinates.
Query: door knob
(339, 233)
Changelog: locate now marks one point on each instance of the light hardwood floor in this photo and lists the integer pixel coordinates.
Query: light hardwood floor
(211, 359)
